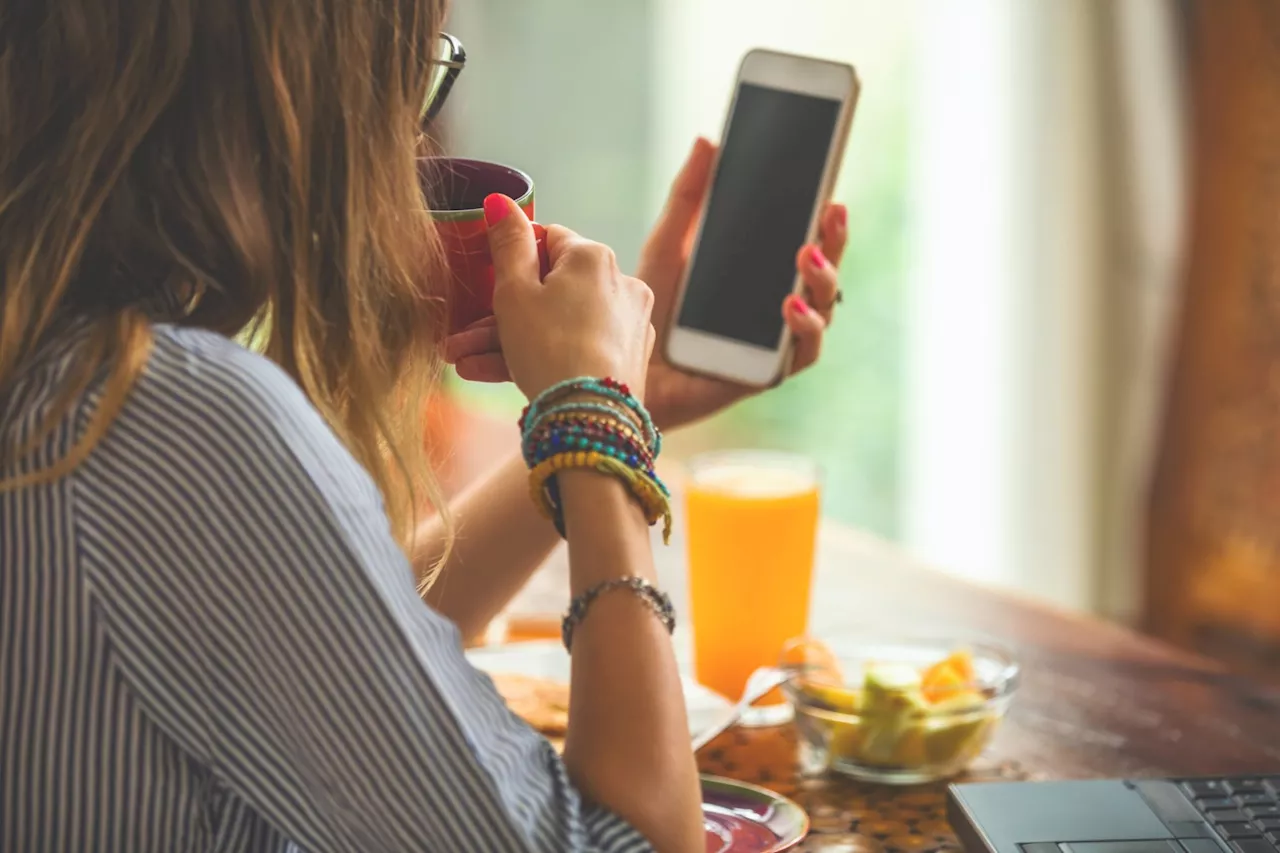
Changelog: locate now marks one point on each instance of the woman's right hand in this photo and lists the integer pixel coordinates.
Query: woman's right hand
(627, 747)
(586, 318)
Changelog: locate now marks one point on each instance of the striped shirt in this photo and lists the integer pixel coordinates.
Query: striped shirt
(209, 641)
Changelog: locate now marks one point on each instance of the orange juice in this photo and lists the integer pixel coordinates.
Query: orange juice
(752, 525)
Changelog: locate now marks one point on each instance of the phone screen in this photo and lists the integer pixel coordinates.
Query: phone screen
(771, 164)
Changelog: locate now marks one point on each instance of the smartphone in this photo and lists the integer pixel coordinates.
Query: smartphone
(779, 156)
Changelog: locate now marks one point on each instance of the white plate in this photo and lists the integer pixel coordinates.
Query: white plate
(548, 659)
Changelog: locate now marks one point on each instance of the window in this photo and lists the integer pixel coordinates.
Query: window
(960, 406)
(600, 103)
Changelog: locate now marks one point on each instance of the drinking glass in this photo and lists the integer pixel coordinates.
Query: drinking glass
(752, 519)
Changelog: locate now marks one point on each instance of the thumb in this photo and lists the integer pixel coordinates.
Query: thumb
(511, 242)
(680, 214)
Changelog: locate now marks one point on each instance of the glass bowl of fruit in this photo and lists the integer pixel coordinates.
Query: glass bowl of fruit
(903, 711)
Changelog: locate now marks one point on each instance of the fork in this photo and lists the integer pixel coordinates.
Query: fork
(759, 683)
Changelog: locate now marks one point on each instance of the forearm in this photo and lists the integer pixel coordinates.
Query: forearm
(500, 540)
(628, 744)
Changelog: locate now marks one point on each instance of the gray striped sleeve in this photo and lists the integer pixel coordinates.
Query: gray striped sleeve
(241, 569)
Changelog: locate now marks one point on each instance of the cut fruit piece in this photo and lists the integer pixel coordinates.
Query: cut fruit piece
(962, 700)
(837, 698)
(892, 690)
(813, 658)
(910, 749)
(951, 741)
(892, 742)
(892, 733)
(948, 677)
(846, 740)
(942, 685)
(960, 662)
(959, 728)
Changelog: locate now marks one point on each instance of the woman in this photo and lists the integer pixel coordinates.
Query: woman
(210, 637)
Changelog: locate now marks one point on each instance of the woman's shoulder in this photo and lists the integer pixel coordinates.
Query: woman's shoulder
(198, 375)
(198, 370)
(206, 403)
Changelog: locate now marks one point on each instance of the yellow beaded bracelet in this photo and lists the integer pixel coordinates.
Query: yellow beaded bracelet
(645, 491)
(641, 486)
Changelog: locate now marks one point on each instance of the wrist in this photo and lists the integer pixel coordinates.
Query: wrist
(589, 497)
(609, 433)
(600, 512)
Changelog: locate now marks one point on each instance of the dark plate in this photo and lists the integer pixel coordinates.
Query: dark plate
(742, 818)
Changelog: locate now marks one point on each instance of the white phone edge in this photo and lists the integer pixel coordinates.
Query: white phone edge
(734, 360)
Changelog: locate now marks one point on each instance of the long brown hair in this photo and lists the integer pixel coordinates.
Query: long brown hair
(230, 165)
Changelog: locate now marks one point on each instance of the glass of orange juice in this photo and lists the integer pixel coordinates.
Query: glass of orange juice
(752, 521)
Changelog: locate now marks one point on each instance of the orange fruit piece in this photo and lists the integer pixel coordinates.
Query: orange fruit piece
(954, 674)
(812, 659)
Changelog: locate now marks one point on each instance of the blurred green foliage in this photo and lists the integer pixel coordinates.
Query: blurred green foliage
(847, 410)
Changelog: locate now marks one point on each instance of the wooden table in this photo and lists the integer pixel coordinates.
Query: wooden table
(1096, 699)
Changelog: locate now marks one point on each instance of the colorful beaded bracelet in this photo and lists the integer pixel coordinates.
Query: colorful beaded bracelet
(607, 388)
(633, 464)
(609, 431)
(565, 427)
(568, 439)
(648, 491)
(582, 407)
(614, 429)
(619, 427)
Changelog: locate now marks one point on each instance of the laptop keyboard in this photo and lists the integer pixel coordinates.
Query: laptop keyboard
(1244, 812)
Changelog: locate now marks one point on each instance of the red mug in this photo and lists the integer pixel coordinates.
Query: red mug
(455, 189)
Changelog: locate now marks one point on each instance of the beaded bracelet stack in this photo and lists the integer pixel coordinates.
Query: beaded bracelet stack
(595, 424)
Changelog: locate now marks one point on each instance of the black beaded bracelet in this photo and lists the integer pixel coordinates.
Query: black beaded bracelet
(657, 600)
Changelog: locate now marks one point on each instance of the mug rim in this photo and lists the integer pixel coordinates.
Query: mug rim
(477, 212)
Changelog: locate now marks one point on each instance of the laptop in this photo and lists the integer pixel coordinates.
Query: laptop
(1211, 815)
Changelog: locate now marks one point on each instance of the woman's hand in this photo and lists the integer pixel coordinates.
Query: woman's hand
(675, 397)
(584, 319)
(627, 746)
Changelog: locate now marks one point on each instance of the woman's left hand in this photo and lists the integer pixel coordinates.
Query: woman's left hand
(674, 397)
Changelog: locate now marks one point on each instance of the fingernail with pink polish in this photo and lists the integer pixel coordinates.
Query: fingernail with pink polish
(816, 257)
(495, 208)
(799, 306)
